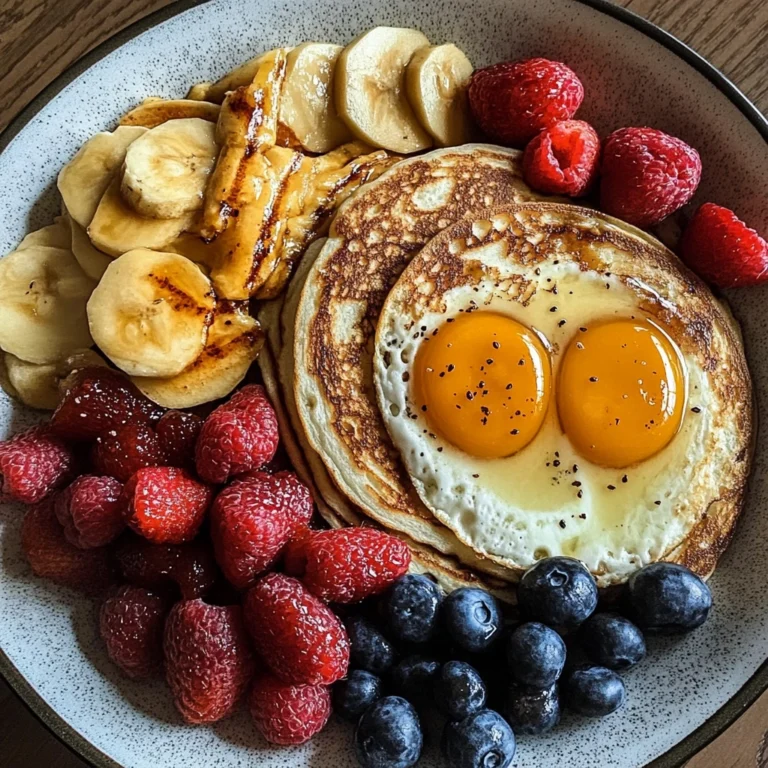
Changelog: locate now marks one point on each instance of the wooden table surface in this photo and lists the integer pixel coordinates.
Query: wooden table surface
(41, 38)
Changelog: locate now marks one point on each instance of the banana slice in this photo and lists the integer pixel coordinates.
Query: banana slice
(307, 109)
(436, 83)
(5, 382)
(93, 261)
(150, 313)
(116, 228)
(38, 386)
(234, 342)
(370, 89)
(166, 170)
(43, 294)
(153, 112)
(238, 77)
(195, 249)
(199, 92)
(55, 235)
(85, 178)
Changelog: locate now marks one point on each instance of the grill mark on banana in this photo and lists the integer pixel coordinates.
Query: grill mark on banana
(153, 112)
(247, 127)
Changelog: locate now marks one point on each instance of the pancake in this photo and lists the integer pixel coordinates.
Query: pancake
(565, 273)
(372, 238)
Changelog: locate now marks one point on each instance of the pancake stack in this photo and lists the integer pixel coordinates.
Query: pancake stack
(318, 362)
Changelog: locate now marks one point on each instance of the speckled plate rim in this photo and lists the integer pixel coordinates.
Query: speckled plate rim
(683, 750)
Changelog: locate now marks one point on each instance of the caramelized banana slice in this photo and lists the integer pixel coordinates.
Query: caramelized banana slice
(150, 313)
(238, 77)
(234, 342)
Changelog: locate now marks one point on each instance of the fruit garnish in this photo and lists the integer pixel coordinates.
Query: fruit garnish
(178, 432)
(208, 662)
(285, 713)
(562, 159)
(131, 625)
(722, 249)
(90, 511)
(646, 175)
(165, 505)
(123, 451)
(514, 100)
(298, 637)
(33, 464)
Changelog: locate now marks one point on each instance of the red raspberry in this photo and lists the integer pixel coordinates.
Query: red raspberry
(33, 464)
(646, 175)
(165, 505)
(299, 638)
(208, 662)
(53, 557)
(122, 452)
(350, 564)
(722, 249)
(514, 100)
(131, 625)
(99, 399)
(288, 714)
(562, 159)
(295, 552)
(189, 567)
(237, 437)
(253, 519)
(178, 432)
(90, 511)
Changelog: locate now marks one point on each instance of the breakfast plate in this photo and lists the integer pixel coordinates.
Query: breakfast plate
(690, 688)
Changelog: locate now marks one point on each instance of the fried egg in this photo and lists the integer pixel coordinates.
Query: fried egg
(551, 394)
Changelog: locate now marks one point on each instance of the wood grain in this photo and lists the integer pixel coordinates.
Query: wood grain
(39, 39)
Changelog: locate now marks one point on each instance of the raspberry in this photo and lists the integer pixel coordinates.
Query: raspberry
(350, 564)
(208, 662)
(514, 100)
(165, 505)
(722, 249)
(253, 519)
(99, 399)
(131, 625)
(295, 554)
(646, 175)
(189, 567)
(300, 639)
(237, 437)
(33, 464)
(90, 511)
(122, 452)
(178, 433)
(288, 714)
(562, 159)
(53, 557)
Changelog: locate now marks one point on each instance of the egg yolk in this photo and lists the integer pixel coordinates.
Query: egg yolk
(621, 391)
(482, 381)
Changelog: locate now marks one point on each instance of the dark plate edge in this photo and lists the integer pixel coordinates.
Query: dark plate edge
(691, 744)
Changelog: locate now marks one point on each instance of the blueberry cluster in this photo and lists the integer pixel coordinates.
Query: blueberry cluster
(492, 676)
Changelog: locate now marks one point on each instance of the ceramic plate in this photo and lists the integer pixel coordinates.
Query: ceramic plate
(634, 74)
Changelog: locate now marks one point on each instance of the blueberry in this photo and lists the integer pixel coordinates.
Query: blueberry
(482, 740)
(351, 697)
(593, 691)
(459, 690)
(411, 608)
(532, 710)
(667, 598)
(414, 678)
(535, 655)
(369, 649)
(472, 619)
(558, 591)
(612, 641)
(389, 735)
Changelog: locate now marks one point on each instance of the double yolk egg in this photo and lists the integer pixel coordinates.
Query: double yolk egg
(485, 383)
